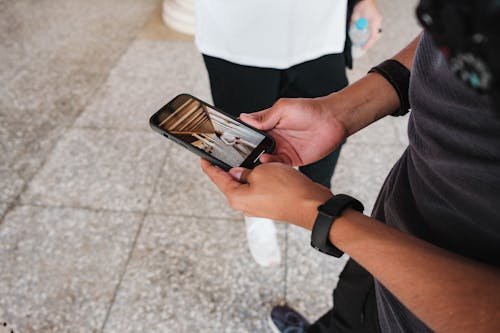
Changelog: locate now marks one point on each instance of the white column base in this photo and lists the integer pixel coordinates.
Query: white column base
(179, 15)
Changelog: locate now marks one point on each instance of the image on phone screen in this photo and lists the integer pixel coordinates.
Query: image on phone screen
(209, 130)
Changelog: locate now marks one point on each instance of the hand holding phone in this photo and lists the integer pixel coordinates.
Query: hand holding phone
(304, 129)
(210, 133)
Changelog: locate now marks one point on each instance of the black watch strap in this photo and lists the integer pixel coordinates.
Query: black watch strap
(327, 213)
(399, 78)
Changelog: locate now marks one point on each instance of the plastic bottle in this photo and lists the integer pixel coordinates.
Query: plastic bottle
(359, 32)
(262, 241)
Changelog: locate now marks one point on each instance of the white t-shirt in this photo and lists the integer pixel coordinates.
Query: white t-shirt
(270, 33)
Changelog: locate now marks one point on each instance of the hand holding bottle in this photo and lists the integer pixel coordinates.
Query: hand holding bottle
(368, 10)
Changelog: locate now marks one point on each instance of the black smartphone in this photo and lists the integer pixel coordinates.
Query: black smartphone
(210, 133)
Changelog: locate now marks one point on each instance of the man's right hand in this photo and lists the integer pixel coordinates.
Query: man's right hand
(304, 130)
(307, 130)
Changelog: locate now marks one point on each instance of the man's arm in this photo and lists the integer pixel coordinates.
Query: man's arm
(368, 99)
(448, 292)
(307, 129)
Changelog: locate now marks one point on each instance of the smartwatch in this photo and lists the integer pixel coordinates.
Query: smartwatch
(327, 213)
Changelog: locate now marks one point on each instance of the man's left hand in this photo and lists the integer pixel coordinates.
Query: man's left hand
(272, 190)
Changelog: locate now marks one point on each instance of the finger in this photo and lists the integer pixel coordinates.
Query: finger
(253, 119)
(240, 174)
(223, 180)
(374, 36)
(270, 158)
(354, 17)
(371, 41)
(263, 120)
(375, 31)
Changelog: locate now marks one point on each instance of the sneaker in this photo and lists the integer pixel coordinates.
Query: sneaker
(284, 319)
(263, 241)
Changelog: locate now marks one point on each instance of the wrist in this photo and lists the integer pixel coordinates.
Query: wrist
(329, 214)
(309, 211)
(340, 231)
(362, 103)
(337, 107)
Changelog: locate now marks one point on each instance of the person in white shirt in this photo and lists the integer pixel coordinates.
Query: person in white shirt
(259, 51)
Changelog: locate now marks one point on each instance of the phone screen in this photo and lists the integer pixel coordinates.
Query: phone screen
(207, 129)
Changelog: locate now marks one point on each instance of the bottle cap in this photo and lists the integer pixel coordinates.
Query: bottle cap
(362, 23)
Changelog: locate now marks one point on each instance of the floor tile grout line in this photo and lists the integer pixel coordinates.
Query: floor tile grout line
(145, 211)
(123, 272)
(134, 243)
(71, 125)
(65, 129)
(86, 208)
(16, 202)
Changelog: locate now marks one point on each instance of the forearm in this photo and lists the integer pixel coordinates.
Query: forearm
(447, 292)
(369, 98)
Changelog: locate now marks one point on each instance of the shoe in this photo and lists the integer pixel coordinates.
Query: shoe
(284, 319)
(263, 241)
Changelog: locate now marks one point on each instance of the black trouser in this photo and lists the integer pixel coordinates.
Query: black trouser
(242, 89)
(355, 309)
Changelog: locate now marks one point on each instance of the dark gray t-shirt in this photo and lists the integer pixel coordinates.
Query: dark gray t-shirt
(445, 188)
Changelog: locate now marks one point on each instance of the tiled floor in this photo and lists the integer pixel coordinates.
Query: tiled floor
(107, 227)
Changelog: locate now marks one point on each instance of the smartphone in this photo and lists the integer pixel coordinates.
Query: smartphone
(210, 133)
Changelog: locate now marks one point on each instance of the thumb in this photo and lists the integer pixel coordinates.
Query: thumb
(355, 16)
(240, 174)
(223, 180)
(280, 158)
(263, 120)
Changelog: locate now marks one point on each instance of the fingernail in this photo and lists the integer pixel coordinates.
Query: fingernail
(236, 173)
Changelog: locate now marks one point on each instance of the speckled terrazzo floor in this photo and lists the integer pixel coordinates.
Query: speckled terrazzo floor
(107, 227)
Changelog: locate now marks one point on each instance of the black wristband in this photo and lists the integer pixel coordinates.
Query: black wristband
(399, 77)
(327, 213)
